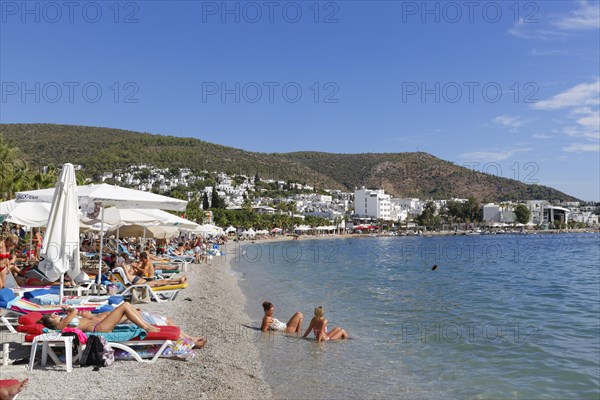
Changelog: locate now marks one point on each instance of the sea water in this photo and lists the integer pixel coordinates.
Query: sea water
(502, 316)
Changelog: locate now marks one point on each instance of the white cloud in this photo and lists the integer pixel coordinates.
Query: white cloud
(586, 17)
(513, 123)
(524, 30)
(491, 156)
(536, 52)
(582, 147)
(588, 126)
(584, 94)
(541, 136)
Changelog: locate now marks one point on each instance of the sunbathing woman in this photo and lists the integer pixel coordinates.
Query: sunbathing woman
(144, 268)
(319, 325)
(107, 324)
(269, 322)
(152, 319)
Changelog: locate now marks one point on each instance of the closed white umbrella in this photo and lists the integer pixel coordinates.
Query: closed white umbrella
(61, 242)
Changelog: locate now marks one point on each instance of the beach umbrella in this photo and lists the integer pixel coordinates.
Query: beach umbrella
(154, 231)
(29, 214)
(230, 229)
(61, 242)
(167, 219)
(7, 206)
(122, 216)
(208, 229)
(105, 195)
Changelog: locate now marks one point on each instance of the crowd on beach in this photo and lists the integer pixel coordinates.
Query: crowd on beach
(136, 262)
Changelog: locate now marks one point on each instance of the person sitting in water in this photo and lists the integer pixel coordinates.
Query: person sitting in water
(269, 322)
(319, 325)
(152, 319)
(107, 324)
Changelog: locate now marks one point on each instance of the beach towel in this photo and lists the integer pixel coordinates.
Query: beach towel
(122, 333)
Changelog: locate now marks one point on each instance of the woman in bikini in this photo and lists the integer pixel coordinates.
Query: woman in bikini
(107, 324)
(269, 322)
(7, 242)
(319, 325)
(152, 319)
(37, 240)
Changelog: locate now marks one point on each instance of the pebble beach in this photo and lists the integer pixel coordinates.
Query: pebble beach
(228, 367)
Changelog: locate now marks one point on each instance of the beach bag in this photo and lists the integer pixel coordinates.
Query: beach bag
(97, 353)
(140, 295)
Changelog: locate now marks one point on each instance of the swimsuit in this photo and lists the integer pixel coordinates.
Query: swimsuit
(277, 325)
(325, 337)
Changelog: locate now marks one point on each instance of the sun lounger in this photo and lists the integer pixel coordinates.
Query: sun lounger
(157, 293)
(34, 334)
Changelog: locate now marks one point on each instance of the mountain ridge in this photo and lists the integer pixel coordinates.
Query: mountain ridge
(415, 174)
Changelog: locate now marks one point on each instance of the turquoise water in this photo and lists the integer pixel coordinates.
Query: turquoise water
(504, 316)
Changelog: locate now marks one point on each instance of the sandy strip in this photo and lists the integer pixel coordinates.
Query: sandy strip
(228, 367)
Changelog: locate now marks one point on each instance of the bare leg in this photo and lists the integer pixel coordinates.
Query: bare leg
(337, 333)
(3, 277)
(10, 392)
(164, 282)
(112, 319)
(294, 325)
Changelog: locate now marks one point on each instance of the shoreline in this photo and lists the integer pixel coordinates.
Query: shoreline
(228, 367)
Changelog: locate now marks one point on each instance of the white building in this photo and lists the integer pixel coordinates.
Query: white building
(536, 207)
(372, 203)
(499, 213)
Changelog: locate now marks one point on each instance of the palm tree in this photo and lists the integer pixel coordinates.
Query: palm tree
(12, 170)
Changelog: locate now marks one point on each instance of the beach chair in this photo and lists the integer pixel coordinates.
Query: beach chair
(158, 294)
(79, 290)
(124, 337)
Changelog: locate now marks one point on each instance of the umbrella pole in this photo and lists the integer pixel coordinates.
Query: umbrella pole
(101, 240)
(30, 256)
(61, 293)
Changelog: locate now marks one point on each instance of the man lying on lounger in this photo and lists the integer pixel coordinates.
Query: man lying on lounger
(137, 274)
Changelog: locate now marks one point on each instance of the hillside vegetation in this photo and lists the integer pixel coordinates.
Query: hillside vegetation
(418, 174)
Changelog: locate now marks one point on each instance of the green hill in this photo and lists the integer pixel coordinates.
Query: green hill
(418, 174)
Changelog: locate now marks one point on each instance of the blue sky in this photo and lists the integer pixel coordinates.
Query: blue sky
(503, 87)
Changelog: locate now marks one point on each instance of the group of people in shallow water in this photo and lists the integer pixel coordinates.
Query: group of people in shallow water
(318, 324)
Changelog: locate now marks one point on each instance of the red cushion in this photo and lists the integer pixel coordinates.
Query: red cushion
(30, 319)
(36, 329)
(166, 333)
(8, 382)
